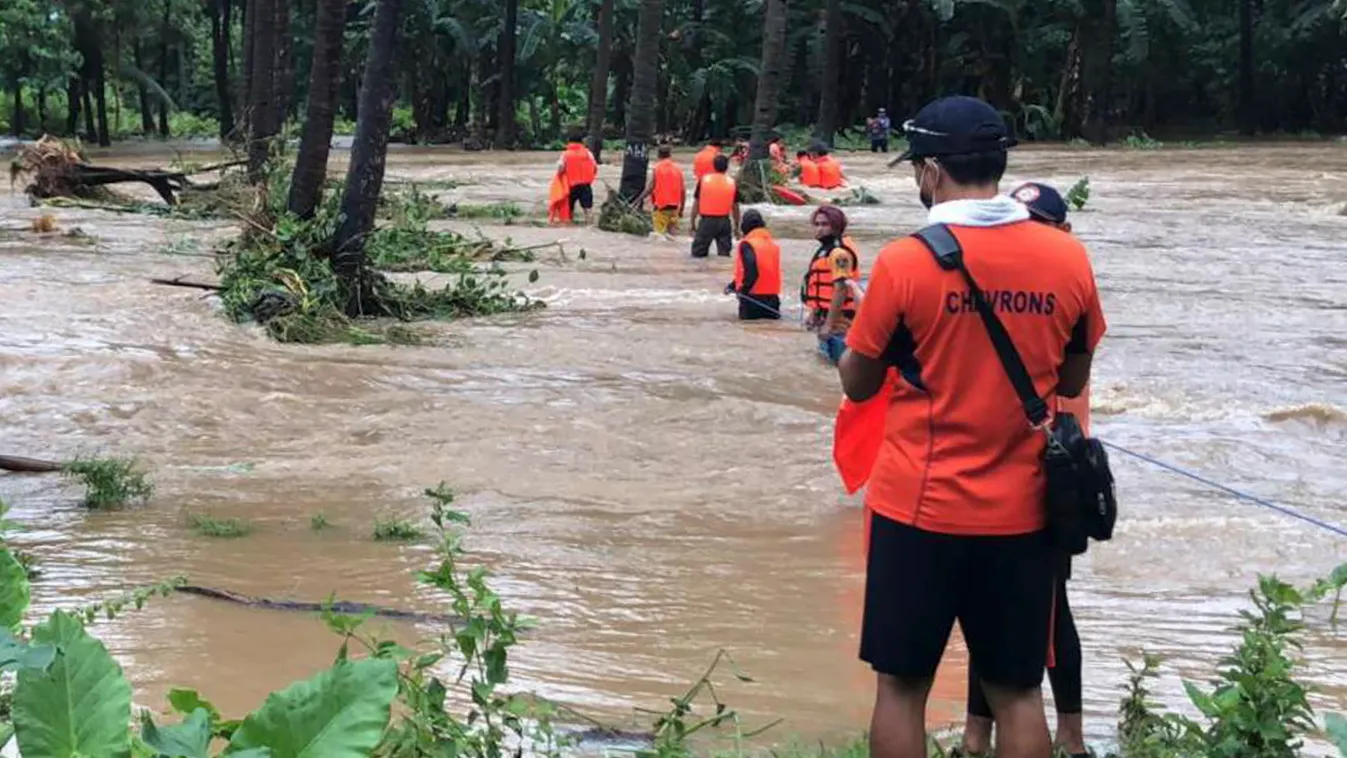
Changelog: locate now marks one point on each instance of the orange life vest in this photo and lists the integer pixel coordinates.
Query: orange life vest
(559, 200)
(668, 189)
(829, 172)
(704, 162)
(580, 166)
(716, 196)
(768, 256)
(817, 290)
(808, 172)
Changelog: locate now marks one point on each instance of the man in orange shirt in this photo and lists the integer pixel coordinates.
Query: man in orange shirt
(579, 168)
(715, 211)
(667, 194)
(704, 162)
(957, 491)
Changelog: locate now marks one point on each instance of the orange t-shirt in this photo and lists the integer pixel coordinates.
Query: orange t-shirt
(704, 161)
(958, 455)
(808, 172)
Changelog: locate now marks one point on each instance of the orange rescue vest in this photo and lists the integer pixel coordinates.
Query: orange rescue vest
(716, 196)
(580, 166)
(808, 172)
(768, 256)
(668, 189)
(817, 290)
(704, 162)
(829, 173)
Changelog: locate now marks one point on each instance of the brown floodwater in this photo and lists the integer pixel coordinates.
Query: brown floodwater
(649, 478)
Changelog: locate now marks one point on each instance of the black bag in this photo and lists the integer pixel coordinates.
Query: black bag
(1080, 498)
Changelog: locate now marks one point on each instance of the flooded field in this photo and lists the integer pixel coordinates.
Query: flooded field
(648, 478)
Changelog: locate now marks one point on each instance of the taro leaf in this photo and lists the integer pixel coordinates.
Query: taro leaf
(16, 654)
(13, 591)
(188, 701)
(80, 706)
(189, 739)
(1337, 731)
(340, 713)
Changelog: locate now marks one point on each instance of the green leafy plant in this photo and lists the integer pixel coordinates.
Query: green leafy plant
(1141, 141)
(135, 598)
(1079, 194)
(318, 522)
(504, 210)
(396, 530)
(110, 482)
(224, 528)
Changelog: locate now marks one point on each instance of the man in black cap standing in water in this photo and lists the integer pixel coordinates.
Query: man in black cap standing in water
(957, 493)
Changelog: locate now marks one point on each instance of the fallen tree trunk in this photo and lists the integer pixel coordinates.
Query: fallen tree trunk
(337, 606)
(189, 284)
(59, 170)
(28, 465)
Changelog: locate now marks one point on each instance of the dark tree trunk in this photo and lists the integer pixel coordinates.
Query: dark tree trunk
(365, 176)
(219, 28)
(163, 69)
(506, 100)
(73, 93)
(769, 79)
(284, 75)
(18, 110)
(641, 119)
(249, 26)
(598, 85)
(1098, 73)
(90, 128)
(101, 97)
(262, 91)
(41, 110)
(306, 186)
(463, 112)
(1069, 95)
(146, 109)
(621, 87)
(1248, 114)
(826, 125)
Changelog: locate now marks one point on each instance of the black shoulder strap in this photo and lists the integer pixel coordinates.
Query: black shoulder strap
(949, 254)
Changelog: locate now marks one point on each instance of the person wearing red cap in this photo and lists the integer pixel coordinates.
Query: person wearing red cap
(957, 492)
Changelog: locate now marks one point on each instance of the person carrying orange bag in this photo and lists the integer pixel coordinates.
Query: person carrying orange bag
(559, 200)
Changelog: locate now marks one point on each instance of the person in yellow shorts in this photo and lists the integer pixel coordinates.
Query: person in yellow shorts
(667, 194)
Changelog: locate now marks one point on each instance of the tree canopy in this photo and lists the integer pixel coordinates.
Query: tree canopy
(1056, 68)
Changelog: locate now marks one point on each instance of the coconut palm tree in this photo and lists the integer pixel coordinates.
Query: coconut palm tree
(641, 113)
(598, 86)
(826, 125)
(324, 82)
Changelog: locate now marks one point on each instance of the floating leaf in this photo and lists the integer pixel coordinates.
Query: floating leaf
(340, 713)
(80, 706)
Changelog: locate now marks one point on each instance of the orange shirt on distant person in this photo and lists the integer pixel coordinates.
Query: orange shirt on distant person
(808, 172)
(704, 162)
(958, 455)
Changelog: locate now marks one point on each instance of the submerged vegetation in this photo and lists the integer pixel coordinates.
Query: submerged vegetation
(110, 482)
(396, 530)
(206, 525)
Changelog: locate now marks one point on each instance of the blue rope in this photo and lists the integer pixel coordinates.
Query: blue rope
(1340, 531)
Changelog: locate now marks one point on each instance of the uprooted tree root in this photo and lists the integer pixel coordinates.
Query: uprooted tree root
(617, 215)
(57, 170)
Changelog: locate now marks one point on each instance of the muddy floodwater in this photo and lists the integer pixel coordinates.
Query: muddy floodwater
(649, 478)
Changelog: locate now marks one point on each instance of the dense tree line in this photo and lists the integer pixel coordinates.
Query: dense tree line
(524, 72)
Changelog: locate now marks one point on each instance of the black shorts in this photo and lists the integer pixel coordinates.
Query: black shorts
(582, 194)
(919, 583)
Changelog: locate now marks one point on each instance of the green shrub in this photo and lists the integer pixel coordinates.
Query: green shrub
(396, 530)
(110, 482)
(222, 528)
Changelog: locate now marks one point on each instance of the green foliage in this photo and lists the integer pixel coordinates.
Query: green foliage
(110, 482)
(1079, 194)
(226, 528)
(14, 590)
(188, 701)
(504, 211)
(1141, 141)
(189, 739)
(340, 713)
(183, 124)
(80, 705)
(396, 530)
(617, 215)
(318, 522)
(136, 598)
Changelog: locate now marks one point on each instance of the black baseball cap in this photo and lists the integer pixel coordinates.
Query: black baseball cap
(1044, 202)
(954, 125)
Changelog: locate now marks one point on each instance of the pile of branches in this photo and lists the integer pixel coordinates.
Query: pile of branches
(617, 215)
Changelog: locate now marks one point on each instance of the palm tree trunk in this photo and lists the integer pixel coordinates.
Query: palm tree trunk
(769, 79)
(1248, 116)
(249, 24)
(262, 90)
(365, 175)
(598, 86)
(73, 93)
(826, 125)
(284, 75)
(101, 96)
(18, 110)
(505, 117)
(219, 28)
(41, 109)
(146, 111)
(641, 115)
(1098, 70)
(163, 70)
(306, 185)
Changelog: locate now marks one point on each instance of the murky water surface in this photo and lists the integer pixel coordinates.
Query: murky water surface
(649, 478)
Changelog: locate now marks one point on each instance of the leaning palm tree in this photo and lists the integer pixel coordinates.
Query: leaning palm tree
(756, 169)
(306, 184)
(598, 86)
(641, 113)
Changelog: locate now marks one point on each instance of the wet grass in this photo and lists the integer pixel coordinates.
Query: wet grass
(219, 528)
(110, 482)
(396, 530)
(504, 211)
